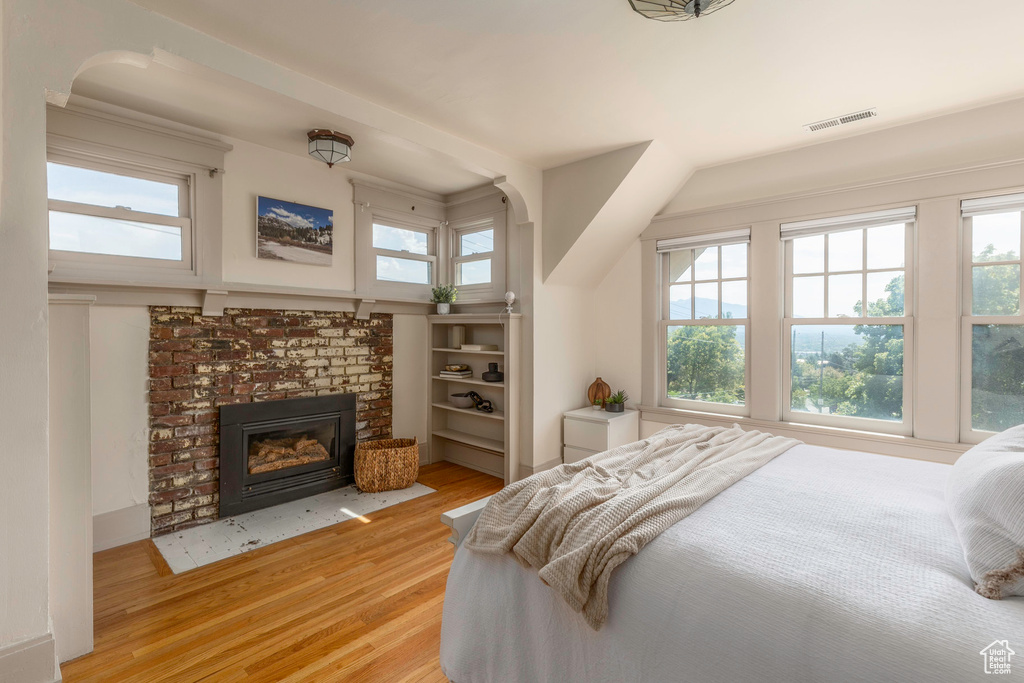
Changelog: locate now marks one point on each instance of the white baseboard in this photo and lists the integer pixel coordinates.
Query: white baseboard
(30, 661)
(112, 529)
(527, 470)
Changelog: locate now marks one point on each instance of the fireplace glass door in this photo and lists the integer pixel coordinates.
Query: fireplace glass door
(288, 447)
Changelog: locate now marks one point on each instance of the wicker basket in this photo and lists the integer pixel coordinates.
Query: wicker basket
(387, 464)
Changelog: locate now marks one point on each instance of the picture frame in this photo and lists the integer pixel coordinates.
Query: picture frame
(293, 232)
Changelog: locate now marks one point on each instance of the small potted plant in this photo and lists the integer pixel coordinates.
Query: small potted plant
(444, 297)
(616, 403)
(598, 404)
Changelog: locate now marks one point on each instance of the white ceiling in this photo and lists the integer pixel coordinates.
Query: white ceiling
(227, 106)
(548, 82)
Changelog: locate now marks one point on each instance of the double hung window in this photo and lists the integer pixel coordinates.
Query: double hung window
(848, 320)
(473, 253)
(993, 322)
(403, 253)
(108, 213)
(705, 321)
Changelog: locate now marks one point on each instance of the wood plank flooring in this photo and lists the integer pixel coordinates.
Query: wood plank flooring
(355, 602)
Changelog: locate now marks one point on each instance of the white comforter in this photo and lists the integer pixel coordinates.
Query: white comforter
(576, 523)
(823, 565)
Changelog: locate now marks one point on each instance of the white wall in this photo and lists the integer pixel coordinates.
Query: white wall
(592, 211)
(119, 337)
(252, 170)
(409, 385)
(576, 192)
(24, 499)
(616, 317)
(563, 364)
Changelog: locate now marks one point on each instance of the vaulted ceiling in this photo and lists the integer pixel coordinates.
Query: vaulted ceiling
(552, 81)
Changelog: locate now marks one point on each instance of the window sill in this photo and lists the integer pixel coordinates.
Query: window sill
(834, 437)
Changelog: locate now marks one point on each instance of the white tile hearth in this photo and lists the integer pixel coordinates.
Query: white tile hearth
(225, 538)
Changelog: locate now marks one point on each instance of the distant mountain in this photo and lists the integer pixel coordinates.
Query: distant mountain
(680, 310)
(807, 338)
(272, 227)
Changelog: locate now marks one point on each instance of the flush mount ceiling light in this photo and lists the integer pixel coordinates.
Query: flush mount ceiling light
(330, 146)
(677, 10)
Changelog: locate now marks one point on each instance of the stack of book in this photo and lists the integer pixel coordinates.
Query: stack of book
(456, 372)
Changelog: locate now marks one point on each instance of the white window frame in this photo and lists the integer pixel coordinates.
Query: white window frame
(458, 230)
(691, 243)
(969, 209)
(184, 181)
(395, 220)
(791, 231)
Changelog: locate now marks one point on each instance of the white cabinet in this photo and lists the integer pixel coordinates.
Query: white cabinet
(588, 431)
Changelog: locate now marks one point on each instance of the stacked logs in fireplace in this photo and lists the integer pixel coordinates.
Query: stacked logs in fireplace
(269, 455)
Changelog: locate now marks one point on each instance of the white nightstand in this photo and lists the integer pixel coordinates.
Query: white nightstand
(587, 431)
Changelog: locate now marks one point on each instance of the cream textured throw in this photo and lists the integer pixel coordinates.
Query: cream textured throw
(578, 522)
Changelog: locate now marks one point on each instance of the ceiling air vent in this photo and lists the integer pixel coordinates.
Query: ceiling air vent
(841, 120)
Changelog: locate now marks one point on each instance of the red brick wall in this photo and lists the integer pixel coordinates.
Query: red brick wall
(197, 364)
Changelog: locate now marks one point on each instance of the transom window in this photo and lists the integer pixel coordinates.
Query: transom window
(848, 321)
(993, 325)
(403, 253)
(473, 253)
(705, 321)
(106, 212)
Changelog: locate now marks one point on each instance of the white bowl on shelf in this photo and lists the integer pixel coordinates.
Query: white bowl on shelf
(461, 400)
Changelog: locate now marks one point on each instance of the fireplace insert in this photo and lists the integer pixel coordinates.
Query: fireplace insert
(278, 451)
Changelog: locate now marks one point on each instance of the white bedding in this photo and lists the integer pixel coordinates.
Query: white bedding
(823, 565)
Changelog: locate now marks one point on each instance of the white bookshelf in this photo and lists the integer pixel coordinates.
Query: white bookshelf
(488, 442)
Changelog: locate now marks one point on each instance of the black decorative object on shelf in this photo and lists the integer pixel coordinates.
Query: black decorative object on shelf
(492, 374)
(677, 10)
(481, 403)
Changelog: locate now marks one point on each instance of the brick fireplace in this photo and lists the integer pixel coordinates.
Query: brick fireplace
(199, 363)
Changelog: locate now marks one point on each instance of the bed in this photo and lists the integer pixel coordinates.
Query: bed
(822, 565)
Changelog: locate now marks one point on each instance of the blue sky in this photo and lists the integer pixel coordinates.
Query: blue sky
(97, 235)
(295, 215)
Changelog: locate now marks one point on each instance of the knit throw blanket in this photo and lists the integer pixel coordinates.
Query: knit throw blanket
(576, 523)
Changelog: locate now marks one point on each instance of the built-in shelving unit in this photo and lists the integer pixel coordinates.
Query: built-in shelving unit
(488, 442)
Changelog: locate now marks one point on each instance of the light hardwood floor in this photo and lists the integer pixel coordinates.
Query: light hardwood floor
(358, 601)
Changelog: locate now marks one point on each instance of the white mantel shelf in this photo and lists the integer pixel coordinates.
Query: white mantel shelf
(478, 318)
(248, 295)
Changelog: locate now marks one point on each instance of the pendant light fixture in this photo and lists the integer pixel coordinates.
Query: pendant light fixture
(330, 146)
(677, 10)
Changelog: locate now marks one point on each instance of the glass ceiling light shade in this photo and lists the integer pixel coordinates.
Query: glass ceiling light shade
(677, 10)
(330, 146)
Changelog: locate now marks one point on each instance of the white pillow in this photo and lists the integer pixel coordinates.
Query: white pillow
(985, 497)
